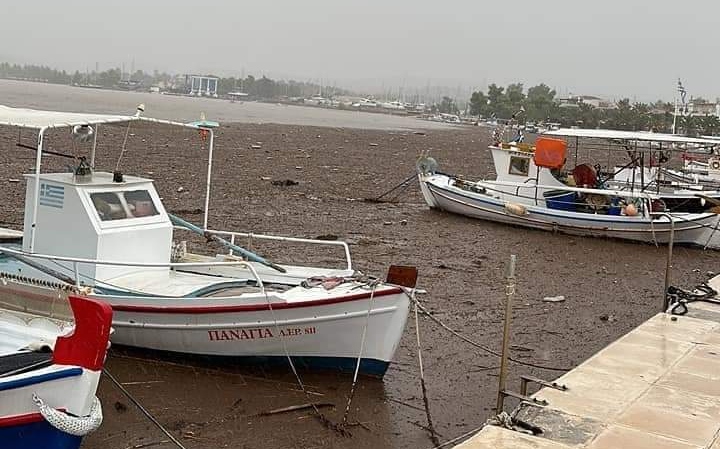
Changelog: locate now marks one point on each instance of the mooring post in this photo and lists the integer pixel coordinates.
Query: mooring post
(668, 262)
(509, 293)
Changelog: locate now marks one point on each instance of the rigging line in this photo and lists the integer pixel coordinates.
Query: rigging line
(479, 346)
(142, 409)
(122, 150)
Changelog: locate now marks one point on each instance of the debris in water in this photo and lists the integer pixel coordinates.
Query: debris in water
(181, 189)
(373, 144)
(284, 183)
(559, 298)
(255, 147)
(326, 237)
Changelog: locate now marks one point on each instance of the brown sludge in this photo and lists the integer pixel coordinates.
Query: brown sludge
(461, 264)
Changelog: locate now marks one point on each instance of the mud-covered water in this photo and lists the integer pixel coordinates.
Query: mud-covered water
(610, 286)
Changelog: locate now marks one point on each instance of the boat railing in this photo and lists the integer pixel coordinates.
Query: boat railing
(77, 261)
(249, 235)
(610, 192)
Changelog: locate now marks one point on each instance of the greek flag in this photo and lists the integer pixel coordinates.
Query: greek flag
(682, 91)
(51, 195)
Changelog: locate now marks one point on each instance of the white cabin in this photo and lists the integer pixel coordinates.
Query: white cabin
(96, 218)
(515, 164)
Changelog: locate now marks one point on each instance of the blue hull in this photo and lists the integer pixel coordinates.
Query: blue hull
(37, 435)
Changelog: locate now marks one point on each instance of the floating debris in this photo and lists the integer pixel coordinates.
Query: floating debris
(559, 298)
(285, 183)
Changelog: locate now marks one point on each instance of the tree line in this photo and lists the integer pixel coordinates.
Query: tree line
(540, 104)
(262, 87)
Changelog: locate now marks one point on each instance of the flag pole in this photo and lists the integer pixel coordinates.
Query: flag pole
(675, 114)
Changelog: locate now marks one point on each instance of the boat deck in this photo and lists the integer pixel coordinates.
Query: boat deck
(656, 387)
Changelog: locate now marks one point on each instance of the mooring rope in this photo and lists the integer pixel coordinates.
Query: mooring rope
(403, 183)
(426, 403)
(142, 409)
(373, 286)
(320, 416)
(478, 345)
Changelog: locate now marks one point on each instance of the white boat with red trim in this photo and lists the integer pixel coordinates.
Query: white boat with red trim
(49, 373)
(110, 236)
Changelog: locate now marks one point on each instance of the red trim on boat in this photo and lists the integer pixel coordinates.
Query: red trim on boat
(87, 344)
(251, 307)
(19, 420)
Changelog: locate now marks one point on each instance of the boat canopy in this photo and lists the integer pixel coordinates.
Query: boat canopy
(31, 118)
(644, 136)
(36, 119)
(43, 121)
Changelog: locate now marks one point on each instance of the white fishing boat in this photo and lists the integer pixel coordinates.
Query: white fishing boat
(528, 191)
(652, 165)
(110, 236)
(49, 373)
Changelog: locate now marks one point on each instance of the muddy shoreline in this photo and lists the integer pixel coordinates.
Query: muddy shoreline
(610, 286)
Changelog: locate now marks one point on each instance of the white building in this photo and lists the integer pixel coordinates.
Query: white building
(202, 85)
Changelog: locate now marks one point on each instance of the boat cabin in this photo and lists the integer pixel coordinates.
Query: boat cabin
(97, 217)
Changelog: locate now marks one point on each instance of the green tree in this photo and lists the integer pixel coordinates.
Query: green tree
(448, 106)
(540, 103)
(479, 104)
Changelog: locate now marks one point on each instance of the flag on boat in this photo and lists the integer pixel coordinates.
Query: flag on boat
(51, 195)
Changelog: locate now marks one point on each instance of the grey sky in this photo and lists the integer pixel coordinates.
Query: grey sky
(609, 47)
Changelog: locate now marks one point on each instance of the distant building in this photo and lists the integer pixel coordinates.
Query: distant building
(574, 101)
(703, 109)
(202, 85)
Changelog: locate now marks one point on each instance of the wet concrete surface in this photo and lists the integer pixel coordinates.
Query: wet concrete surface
(610, 286)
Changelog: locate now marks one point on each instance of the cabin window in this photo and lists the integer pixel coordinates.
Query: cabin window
(140, 203)
(121, 205)
(519, 166)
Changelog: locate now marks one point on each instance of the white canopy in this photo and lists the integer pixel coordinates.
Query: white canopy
(631, 135)
(31, 118)
(36, 119)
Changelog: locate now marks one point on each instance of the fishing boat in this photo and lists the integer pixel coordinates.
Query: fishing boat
(49, 373)
(533, 189)
(652, 165)
(109, 235)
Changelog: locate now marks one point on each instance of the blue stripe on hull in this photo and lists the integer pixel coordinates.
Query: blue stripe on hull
(368, 367)
(37, 435)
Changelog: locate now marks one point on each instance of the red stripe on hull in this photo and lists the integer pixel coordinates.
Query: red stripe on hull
(19, 420)
(248, 307)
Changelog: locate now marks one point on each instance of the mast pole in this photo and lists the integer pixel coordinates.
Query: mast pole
(209, 174)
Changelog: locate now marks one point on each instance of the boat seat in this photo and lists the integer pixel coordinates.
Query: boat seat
(21, 362)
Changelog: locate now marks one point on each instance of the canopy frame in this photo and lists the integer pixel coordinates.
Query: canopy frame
(44, 121)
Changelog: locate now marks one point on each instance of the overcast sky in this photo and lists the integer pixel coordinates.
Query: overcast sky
(611, 48)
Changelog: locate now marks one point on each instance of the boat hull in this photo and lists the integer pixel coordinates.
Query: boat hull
(317, 333)
(694, 229)
(36, 434)
(324, 336)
